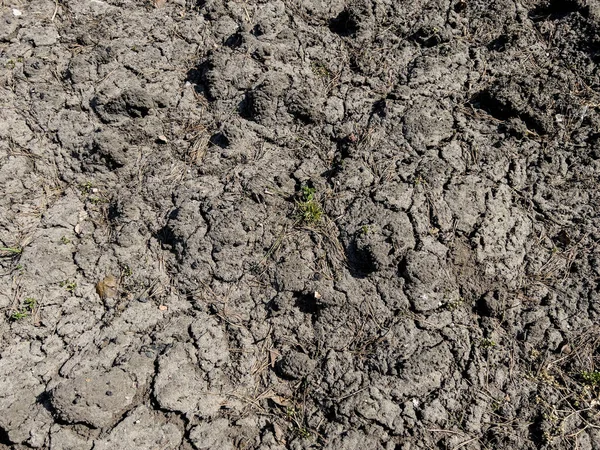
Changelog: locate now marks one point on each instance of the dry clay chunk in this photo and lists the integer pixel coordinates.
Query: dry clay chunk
(98, 400)
(295, 365)
(141, 429)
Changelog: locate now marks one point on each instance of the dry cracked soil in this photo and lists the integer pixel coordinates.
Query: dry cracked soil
(299, 224)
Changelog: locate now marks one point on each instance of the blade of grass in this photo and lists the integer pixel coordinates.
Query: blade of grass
(12, 250)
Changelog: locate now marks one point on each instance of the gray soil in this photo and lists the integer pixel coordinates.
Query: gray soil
(299, 224)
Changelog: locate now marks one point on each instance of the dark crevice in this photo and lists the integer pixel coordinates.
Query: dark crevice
(220, 140)
(499, 44)
(197, 76)
(343, 24)
(234, 41)
(360, 261)
(169, 240)
(505, 112)
(379, 108)
(554, 10)
(115, 210)
(307, 303)
(536, 433)
(4, 439)
(486, 101)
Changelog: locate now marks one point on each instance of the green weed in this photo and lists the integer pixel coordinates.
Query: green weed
(487, 343)
(308, 193)
(86, 187)
(30, 303)
(310, 211)
(320, 69)
(10, 251)
(455, 304)
(28, 308)
(591, 378)
(97, 200)
(295, 417)
(19, 315)
(127, 272)
(68, 285)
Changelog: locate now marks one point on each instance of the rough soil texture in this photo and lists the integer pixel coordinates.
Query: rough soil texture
(299, 224)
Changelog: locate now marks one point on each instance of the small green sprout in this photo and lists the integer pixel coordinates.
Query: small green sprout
(30, 303)
(591, 378)
(68, 285)
(299, 429)
(28, 308)
(11, 250)
(308, 193)
(320, 69)
(65, 240)
(86, 187)
(302, 432)
(455, 304)
(419, 180)
(310, 211)
(487, 343)
(18, 315)
(97, 200)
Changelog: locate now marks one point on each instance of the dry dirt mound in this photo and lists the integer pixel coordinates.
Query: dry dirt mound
(295, 224)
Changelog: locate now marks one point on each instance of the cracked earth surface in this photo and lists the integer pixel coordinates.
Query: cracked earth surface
(299, 224)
